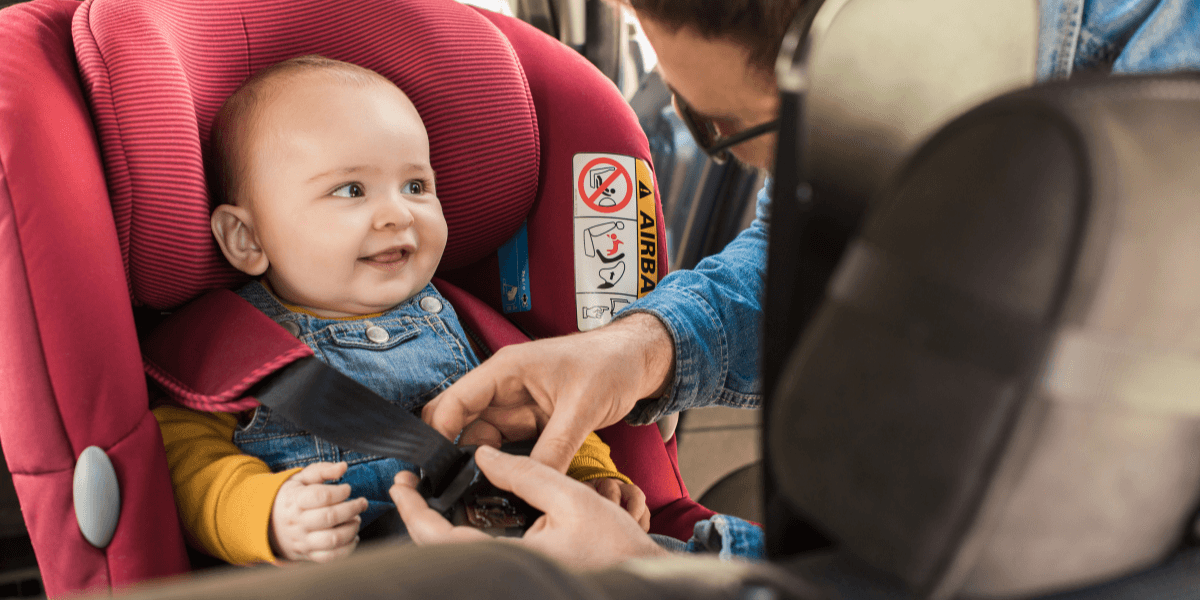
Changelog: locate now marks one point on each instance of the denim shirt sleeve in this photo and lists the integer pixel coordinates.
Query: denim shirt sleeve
(714, 315)
(1121, 36)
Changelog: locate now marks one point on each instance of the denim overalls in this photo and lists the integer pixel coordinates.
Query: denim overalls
(407, 355)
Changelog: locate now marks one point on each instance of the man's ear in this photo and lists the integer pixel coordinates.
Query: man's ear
(234, 230)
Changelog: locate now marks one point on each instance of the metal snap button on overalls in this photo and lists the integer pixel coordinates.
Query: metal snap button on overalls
(377, 334)
(431, 304)
(292, 328)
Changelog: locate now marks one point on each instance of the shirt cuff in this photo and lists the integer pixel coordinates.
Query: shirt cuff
(686, 389)
(729, 537)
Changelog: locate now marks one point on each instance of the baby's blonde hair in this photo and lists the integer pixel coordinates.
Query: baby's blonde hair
(238, 117)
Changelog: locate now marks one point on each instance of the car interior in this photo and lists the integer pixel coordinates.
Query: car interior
(979, 349)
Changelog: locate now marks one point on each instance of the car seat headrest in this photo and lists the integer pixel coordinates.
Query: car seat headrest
(155, 73)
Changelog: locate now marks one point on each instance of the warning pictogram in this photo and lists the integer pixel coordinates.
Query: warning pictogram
(605, 185)
(615, 226)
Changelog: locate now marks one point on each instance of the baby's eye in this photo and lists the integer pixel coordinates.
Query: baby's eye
(350, 190)
(414, 187)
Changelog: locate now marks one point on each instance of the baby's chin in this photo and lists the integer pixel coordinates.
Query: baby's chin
(341, 309)
(366, 307)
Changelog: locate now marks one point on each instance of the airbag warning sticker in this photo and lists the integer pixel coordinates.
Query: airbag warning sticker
(615, 237)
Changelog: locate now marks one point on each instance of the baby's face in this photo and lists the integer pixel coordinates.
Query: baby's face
(342, 196)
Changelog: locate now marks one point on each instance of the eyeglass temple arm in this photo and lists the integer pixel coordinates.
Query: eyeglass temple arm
(742, 136)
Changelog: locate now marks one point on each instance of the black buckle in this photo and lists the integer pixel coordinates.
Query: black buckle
(468, 498)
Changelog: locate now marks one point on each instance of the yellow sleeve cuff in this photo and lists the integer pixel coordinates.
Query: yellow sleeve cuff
(224, 497)
(593, 461)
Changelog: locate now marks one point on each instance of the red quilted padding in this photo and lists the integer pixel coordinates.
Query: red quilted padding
(578, 110)
(192, 357)
(70, 371)
(78, 239)
(156, 72)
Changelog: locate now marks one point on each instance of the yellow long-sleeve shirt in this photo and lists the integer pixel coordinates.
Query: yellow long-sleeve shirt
(224, 497)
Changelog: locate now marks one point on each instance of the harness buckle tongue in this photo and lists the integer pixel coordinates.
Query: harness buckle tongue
(468, 498)
(453, 487)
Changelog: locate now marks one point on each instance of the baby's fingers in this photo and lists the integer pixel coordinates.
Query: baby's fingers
(320, 473)
(328, 517)
(328, 544)
(634, 501)
(323, 556)
(318, 496)
(609, 488)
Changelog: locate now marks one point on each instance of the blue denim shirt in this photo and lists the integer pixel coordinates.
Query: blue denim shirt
(407, 355)
(1121, 36)
(714, 312)
(714, 315)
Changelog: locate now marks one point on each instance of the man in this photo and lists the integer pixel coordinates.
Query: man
(720, 61)
(693, 331)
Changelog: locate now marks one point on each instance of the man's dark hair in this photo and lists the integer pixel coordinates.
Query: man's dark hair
(759, 25)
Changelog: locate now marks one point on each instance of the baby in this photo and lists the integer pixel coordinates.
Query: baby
(328, 196)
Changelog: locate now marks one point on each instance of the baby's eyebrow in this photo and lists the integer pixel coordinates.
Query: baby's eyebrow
(342, 172)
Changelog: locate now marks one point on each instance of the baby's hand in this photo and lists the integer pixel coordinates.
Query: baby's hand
(626, 495)
(311, 520)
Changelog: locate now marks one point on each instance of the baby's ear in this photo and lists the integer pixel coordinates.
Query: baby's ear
(234, 230)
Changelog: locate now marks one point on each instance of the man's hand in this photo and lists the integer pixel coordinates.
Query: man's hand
(626, 495)
(566, 387)
(579, 526)
(311, 520)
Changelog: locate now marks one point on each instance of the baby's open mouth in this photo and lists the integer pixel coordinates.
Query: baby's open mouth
(389, 257)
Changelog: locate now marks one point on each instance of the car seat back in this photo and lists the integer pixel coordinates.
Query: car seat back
(72, 371)
(503, 128)
(997, 396)
(885, 74)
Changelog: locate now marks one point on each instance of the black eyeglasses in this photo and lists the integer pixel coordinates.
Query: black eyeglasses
(705, 132)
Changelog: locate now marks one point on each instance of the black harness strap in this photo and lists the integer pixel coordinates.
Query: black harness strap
(338, 409)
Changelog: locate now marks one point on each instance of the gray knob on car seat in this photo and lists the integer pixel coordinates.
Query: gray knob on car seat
(97, 496)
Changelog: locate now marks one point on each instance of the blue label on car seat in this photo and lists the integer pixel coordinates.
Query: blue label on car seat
(514, 272)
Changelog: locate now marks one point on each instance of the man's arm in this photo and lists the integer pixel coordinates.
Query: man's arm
(692, 342)
(587, 381)
(713, 314)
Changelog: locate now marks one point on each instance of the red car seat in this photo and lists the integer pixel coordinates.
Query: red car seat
(102, 201)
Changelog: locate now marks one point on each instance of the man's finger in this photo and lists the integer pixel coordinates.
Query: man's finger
(424, 524)
(536, 483)
(461, 403)
(514, 422)
(562, 437)
(320, 472)
(481, 433)
(316, 496)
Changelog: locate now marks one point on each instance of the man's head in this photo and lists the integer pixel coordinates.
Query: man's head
(720, 56)
(323, 171)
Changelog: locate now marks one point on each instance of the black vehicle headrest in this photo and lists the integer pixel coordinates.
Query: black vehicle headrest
(997, 396)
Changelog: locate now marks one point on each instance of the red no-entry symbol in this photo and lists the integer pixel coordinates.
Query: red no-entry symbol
(606, 177)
